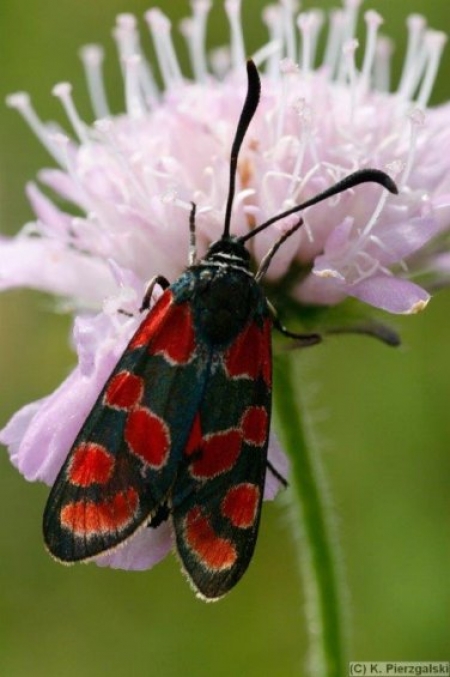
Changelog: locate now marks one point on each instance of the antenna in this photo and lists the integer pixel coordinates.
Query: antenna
(350, 181)
(248, 111)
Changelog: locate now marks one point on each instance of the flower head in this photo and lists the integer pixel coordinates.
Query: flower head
(133, 178)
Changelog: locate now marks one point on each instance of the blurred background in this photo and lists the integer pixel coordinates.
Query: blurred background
(382, 417)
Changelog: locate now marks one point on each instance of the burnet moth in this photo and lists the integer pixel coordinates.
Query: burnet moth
(180, 430)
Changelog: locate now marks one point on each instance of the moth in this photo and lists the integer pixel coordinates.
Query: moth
(180, 430)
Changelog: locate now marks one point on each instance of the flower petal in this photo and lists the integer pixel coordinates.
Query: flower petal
(40, 435)
(142, 551)
(390, 293)
(321, 291)
(51, 266)
(280, 463)
(402, 239)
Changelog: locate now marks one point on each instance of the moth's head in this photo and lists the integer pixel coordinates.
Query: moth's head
(229, 250)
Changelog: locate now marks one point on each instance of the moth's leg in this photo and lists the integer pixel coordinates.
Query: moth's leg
(276, 474)
(192, 238)
(266, 260)
(157, 280)
(303, 340)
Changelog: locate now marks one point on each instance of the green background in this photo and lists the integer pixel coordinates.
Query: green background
(382, 419)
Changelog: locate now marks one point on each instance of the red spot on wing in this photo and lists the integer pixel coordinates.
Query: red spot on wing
(266, 353)
(249, 356)
(148, 437)
(90, 464)
(176, 338)
(168, 330)
(213, 551)
(217, 454)
(152, 322)
(124, 390)
(89, 518)
(240, 505)
(255, 425)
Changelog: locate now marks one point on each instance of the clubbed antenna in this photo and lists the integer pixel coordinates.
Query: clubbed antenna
(350, 181)
(248, 111)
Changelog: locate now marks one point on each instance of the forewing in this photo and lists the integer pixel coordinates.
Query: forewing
(125, 458)
(216, 500)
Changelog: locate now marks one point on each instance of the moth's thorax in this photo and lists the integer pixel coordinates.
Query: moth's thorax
(223, 292)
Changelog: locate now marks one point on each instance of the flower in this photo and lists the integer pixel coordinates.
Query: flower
(133, 177)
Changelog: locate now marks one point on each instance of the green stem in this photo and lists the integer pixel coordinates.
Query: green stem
(312, 524)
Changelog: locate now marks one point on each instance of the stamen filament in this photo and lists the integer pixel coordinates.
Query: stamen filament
(233, 10)
(92, 58)
(63, 91)
(22, 103)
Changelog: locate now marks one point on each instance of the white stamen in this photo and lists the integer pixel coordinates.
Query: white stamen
(160, 28)
(220, 59)
(213, 195)
(128, 22)
(171, 197)
(351, 8)
(269, 52)
(126, 36)
(288, 7)
(266, 193)
(348, 52)
(417, 72)
(63, 91)
(271, 16)
(239, 199)
(373, 22)
(286, 67)
(417, 119)
(300, 190)
(366, 265)
(133, 98)
(147, 83)
(141, 194)
(415, 24)
(371, 222)
(63, 142)
(104, 126)
(334, 41)
(128, 45)
(92, 58)
(435, 42)
(233, 10)
(194, 30)
(395, 168)
(317, 19)
(376, 240)
(21, 102)
(304, 22)
(305, 115)
(382, 65)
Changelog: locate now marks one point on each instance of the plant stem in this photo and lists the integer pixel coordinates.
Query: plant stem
(313, 530)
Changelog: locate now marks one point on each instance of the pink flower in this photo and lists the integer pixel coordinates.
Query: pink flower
(133, 176)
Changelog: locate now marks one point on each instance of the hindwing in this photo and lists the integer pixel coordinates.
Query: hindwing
(216, 498)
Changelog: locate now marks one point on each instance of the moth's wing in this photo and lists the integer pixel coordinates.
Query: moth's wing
(125, 458)
(216, 500)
